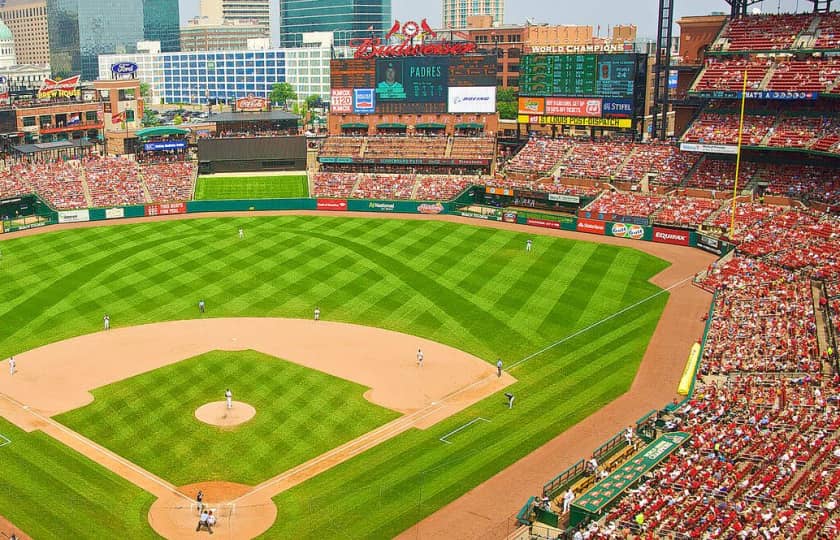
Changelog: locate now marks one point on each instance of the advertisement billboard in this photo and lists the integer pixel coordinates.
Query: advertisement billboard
(671, 236)
(165, 209)
(617, 108)
(573, 106)
(341, 100)
(412, 80)
(531, 105)
(364, 101)
(710, 148)
(576, 121)
(251, 104)
(73, 216)
(591, 226)
(164, 145)
(579, 75)
(333, 205)
(474, 99)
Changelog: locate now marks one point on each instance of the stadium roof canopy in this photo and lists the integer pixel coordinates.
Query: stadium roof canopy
(270, 116)
(353, 125)
(51, 146)
(160, 131)
(469, 125)
(431, 125)
(391, 125)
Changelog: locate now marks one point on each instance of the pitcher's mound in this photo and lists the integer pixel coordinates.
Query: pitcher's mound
(217, 413)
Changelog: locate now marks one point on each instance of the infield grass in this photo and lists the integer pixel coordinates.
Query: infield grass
(469, 287)
(217, 188)
(301, 413)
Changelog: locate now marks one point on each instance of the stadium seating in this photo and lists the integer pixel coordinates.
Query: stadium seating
(113, 181)
(828, 31)
(664, 159)
(728, 74)
(539, 156)
(685, 211)
(722, 128)
(801, 181)
(762, 32)
(598, 159)
(625, 204)
(169, 182)
(720, 174)
(58, 183)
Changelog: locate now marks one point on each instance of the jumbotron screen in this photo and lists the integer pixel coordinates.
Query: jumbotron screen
(407, 85)
(579, 75)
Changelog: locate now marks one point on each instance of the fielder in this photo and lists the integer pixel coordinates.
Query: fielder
(106, 321)
(317, 314)
(241, 233)
(420, 357)
(499, 367)
(201, 306)
(11, 365)
(510, 397)
(528, 246)
(229, 398)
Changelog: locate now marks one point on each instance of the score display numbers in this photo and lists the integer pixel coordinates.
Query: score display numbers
(584, 75)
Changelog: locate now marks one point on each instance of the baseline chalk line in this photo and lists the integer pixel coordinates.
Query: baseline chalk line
(4, 441)
(468, 424)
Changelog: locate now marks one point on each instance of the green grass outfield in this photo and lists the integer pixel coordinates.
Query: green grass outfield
(215, 188)
(470, 287)
(177, 446)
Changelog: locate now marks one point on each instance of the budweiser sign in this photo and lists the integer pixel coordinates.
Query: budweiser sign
(374, 47)
(251, 103)
(68, 87)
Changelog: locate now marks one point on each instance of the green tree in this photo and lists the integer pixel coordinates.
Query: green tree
(282, 93)
(177, 120)
(506, 103)
(150, 118)
(144, 90)
(313, 101)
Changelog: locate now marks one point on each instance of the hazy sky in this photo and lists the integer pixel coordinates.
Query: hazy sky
(642, 13)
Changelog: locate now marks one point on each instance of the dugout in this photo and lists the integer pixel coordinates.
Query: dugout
(24, 212)
(251, 154)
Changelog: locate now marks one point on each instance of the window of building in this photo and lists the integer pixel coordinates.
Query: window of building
(28, 121)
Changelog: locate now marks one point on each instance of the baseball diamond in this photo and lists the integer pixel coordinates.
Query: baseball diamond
(489, 298)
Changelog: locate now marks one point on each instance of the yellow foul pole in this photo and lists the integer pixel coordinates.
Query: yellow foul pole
(738, 158)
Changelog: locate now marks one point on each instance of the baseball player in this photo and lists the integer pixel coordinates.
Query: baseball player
(106, 321)
(628, 436)
(229, 398)
(499, 367)
(199, 500)
(11, 365)
(241, 233)
(420, 357)
(528, 246)
(568, 497)
(201, 306)
(510, 397)
(317, 314)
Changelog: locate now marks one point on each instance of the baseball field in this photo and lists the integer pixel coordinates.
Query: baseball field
(221, 187)
(571, 321)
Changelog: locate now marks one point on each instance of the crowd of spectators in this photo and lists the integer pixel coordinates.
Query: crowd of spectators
(719, 174)
(113, 181)
(762, 32)
(722, 128)
(685, 211)
(539, 156)
(59, 183)
(169, 182)
(595, 159)
(390, 186)
(802, 181)
(663, 159)
(625, 204)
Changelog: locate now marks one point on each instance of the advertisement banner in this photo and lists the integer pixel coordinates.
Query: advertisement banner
(573, 107)
(531, 105)
(341, 100)
(556, 197)
(476, 215)
(575, 121)
(68, 87)
(591, 226)
(165, 209)
(251, 103)
(73, 216)
(333, 205)
(671, 236)
(711, 148)
(623, 230)
(383, 206)
(474, 99)
(709, 243)
(413, 80)
(498, 191)
(363, 101)
(114, 213)
(544, 223)
(430, 208)
(617, 108)
(164, 145)
(509, 217)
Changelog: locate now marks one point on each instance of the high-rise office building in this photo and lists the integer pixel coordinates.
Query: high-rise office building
(455, 12)
(81, 30)
(236, 12)
(161, 22)
(347, 19)
(27, 19)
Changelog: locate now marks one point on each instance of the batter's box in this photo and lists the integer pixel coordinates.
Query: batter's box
(4, 441)
(465, 426)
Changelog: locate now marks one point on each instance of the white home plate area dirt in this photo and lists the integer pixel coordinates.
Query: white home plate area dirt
(218, 414)
(482, 512)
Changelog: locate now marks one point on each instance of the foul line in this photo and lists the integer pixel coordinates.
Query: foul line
(598, 323)
(102, 450)
(468, 424)
(5, 442)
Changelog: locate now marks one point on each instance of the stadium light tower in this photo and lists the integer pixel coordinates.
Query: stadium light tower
(739, 7)
(821, 6)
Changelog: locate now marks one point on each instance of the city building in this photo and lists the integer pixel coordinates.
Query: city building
(122, 113)
(346, 19)
(25, 76)
(27, 19)
(204, 77)
(456, 12)
(7, 46)
(236, 11)
(161, 22)
(81, 30)
(200, 35)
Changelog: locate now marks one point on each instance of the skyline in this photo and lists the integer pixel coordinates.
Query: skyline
(606, 13)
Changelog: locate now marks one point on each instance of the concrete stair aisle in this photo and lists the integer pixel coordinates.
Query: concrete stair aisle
(822, 325)
(765, 141)
(363, 148)
(415, 188)
(561, 161)
(450, 142)
(146, 194)
(690, 172)
(355, 185)
(85, 187)
(625, 161)
(767, 76)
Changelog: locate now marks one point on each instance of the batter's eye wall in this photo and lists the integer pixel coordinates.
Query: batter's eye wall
(252, 154)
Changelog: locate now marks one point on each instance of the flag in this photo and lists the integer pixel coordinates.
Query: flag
(116, 118)
(74, 119)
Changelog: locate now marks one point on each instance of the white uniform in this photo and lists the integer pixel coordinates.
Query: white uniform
(229, 398)
(568, 497)
(419, 357)
(107, 322)
(528, 245)
(317, 314)
(241, 233)
(12, 365)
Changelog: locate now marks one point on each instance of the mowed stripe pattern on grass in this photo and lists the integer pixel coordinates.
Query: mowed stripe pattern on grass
(52, 492)
(301, 413)
(251, 187)
(469, 287)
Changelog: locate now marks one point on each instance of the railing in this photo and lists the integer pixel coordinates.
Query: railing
(71, 127)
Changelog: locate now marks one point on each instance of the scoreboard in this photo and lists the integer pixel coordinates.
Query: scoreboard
(579, 75)
(422, 84)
